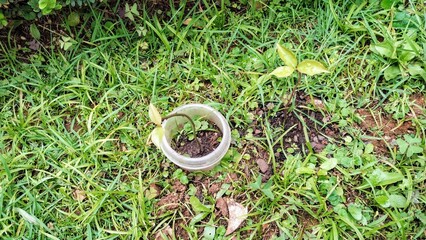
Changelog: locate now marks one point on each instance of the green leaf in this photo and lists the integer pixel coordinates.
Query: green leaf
(209, 232)
(304, 170)
(311, 67)
(329, 164)
(380, 178)
(397, 201)
(157, 136)
(415, 69)
(287, 56)
(387, 4)
(35, 33)
(414, 150)
(47, 4)
(369, 148)
(355, 211)
(383, 200)
(384, 49)
(154, 115)
(283, 71)
(198, 218)
(197, 206)
(73, 19)
(392, 72)
(403, 146)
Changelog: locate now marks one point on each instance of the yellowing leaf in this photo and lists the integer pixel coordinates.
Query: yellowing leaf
(287, 56)
(311, 67)
(154, 115)
(157, 136)
(237, 215)
(281, 72)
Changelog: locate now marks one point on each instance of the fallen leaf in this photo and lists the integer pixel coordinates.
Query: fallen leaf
(187, 21)
(79, 195)
(237, 215)
(263, 165)
(222, 206)
(164, 233)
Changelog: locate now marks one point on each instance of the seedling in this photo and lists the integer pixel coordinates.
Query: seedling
(308, 67)
(157, 134)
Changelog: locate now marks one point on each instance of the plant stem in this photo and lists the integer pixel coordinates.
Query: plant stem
(299, 76)
(194, 130)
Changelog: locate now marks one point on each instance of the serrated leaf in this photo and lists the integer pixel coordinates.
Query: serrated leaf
(287, 56)
(329, 164)
(157, 136)
(283, 71)
(154, 115)
(311, 67)
(35, 33)
(237, 214)
(355, 211)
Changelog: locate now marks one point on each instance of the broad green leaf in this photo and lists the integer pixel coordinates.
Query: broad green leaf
(209, 232)
(355, 211)
(197, 206)
(415, 69)
(157, 136)
(35, 33)
(384, 49)
(397, 201)
(380, 178)
(287, 56)
(383, 200)
(47, 4)
(387, 4)
(329, 164)
(199, 217)
(154, 115)
(403, 145)
(413, 149)
(283, 71)
(311, 67)
(392, 72)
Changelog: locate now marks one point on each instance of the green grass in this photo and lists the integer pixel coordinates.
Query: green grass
(74, 126)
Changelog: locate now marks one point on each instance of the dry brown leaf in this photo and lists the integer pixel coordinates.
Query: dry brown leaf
(79, 195)
(187, 21)
(237, 215)
(165, 232)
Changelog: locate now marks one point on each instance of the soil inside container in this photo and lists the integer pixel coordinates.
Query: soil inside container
(185, 144)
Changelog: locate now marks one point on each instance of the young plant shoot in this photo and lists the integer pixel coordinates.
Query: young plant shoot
(157, 134)
(308, 66)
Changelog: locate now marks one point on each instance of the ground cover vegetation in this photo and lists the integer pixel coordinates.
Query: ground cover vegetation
(341, 157)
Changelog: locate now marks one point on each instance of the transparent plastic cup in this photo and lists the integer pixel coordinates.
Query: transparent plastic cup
(173, 125)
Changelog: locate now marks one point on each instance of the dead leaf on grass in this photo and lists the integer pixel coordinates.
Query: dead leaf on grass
(237, 215)
(165, 233)
(79, 195)
(263, 165)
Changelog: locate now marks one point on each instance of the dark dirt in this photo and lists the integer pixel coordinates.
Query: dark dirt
(205, 143)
